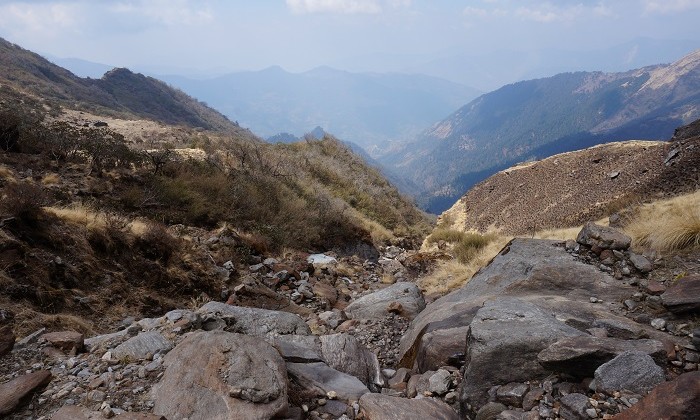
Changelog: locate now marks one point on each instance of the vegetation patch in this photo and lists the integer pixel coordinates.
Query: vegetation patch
(667, 225)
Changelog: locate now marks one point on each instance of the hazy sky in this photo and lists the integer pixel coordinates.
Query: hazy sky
(302, 34)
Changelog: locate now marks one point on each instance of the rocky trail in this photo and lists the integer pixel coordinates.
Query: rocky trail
(548, 330)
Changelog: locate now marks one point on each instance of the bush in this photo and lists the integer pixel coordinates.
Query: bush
(465, 245)
(23, 201)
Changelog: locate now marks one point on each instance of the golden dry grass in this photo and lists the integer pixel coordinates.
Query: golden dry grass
(6, 173)
(667, 225)
(50, 179)
(83, 215)
(449, 275)
(28, 321)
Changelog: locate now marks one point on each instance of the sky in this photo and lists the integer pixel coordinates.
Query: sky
(212, 36)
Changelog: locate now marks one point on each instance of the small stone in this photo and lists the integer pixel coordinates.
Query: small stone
(332, 395)
(451, 397)
(592, 413)
(658, 323)
(594, 299)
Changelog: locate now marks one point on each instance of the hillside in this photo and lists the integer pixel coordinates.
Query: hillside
(118, 93)
(570, 188)
(539, 118)
(368, 109)
(114, 196)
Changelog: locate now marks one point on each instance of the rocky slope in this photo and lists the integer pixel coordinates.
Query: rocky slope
(548, 330)
(539, 118)
(582, 185)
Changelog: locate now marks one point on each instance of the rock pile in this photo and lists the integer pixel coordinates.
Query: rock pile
(547, 330)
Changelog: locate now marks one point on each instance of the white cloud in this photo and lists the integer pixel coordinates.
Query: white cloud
(671, 6)
(39, 18)
(548, 14)
(476, 12)
(166, 12)
(335, 6)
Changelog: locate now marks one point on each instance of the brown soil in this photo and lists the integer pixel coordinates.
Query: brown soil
(572, 188)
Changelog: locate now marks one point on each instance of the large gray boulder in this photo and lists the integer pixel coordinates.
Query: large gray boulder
(375, 305)
(345, 353)
(251, 321)
(582, 355)
(632, 371)
(140, 347)
(540, 271)
(504, 339)
(384, 407)
(221, 375)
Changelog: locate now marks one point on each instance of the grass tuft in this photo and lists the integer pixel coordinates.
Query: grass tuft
(667, 225)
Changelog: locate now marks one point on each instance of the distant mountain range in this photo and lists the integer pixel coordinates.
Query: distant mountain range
(538, 118)
(371, 110)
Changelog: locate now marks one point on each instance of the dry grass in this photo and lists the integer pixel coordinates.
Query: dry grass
(50, 179)
(28, 321)
(452, 274)
(667, 225)
(6, 173)
(83, 215)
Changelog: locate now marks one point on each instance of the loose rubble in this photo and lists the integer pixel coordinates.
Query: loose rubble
(549, 330)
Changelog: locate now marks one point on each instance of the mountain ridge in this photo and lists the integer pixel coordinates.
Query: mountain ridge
(537, 118)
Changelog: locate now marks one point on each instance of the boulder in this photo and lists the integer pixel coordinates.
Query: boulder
(68, 341)
(582, 355)
(622, 328)
(512, 394)
(376, 305)
(640, 262)
(506, 332)
(345, 353)
(384, 407)
(574, 406)
(221, 375)
(632, 371)
(251, 321)
(537, 270)
(675, 400)
(16, 391)
(683, 295)
(439, 382)
(317, 379)
(298, 348)
(320, 261)
(7, 339)
(141, 346)
(603, 237)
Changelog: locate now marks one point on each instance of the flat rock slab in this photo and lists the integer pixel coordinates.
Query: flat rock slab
(376, 305)
(603, 237)
(678, 400)
(66, 340)
(73, 412)
(632, 371)
(319, 379)
(17, 390)
(504, 340)
(140, 347)
(222, 375)
(582, 355)
(384, 407)
(683, 295)
(254, 321)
